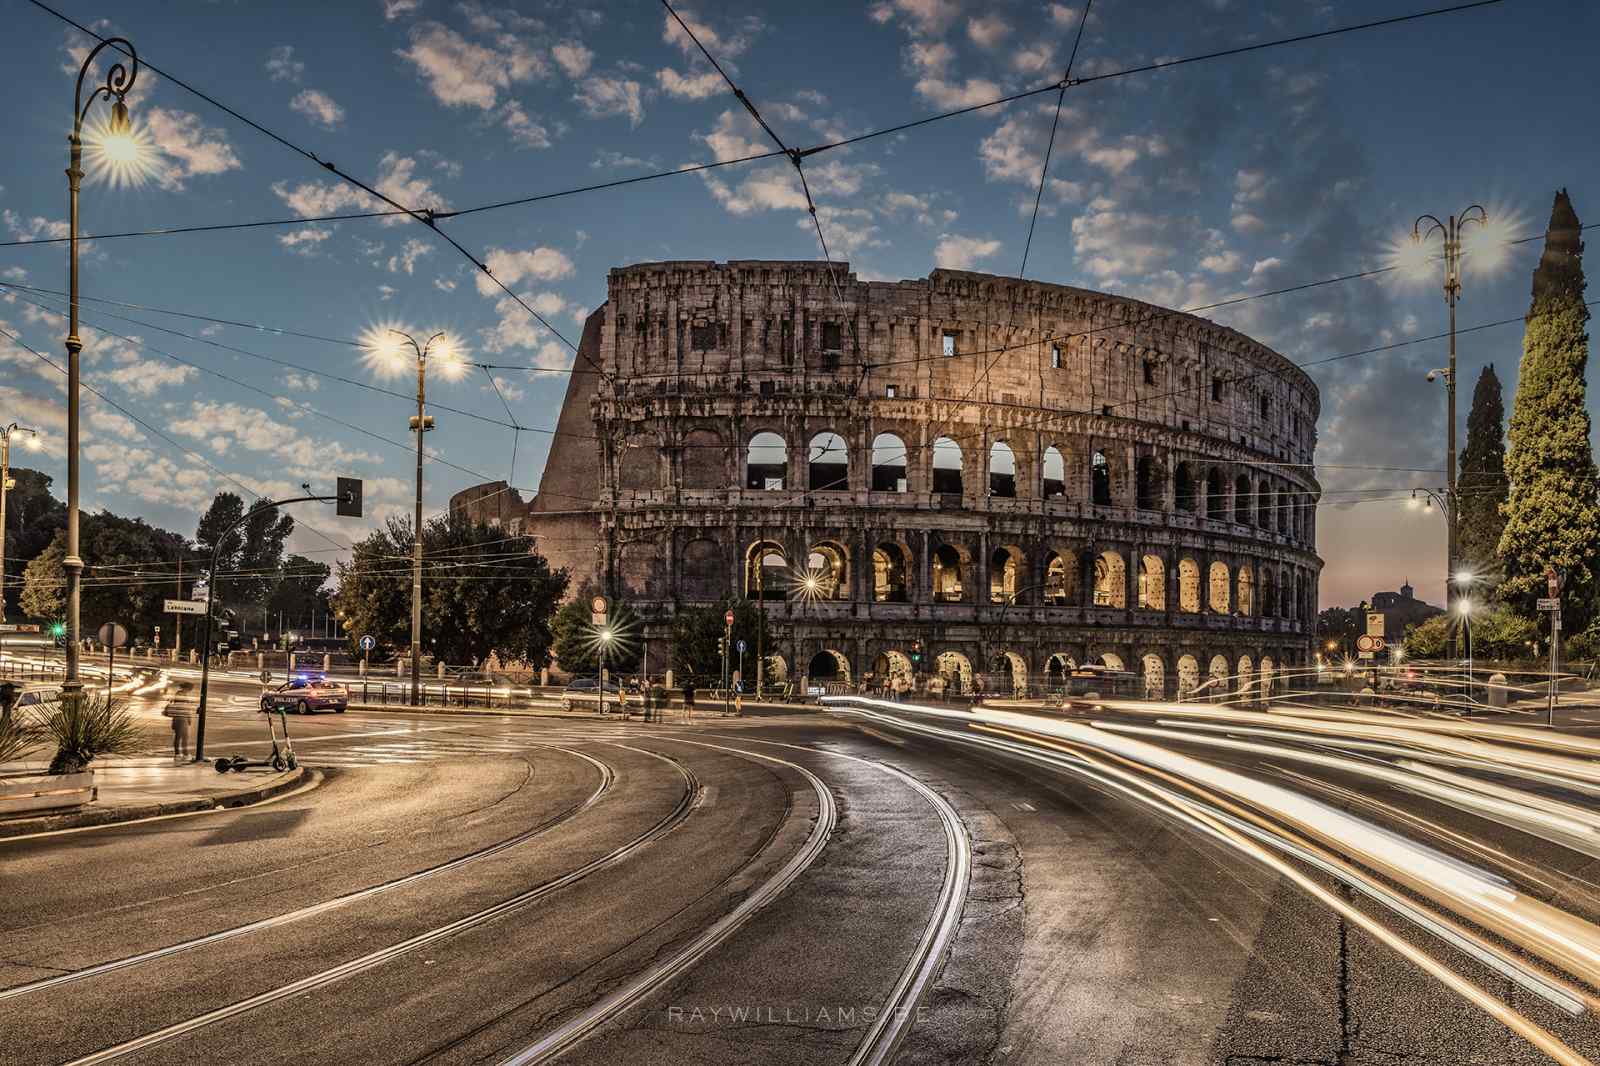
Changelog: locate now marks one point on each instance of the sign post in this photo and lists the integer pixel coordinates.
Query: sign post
(113, 637)
(727, 642)
(367, 644)
(1553, 582)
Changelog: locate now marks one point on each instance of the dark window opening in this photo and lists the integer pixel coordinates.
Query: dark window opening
(1216, 390)
(1184, 488)
(1148, 484)
(832, 337)
(1266, 408)
(703, 338)
(1149, 372)
(1100, 480)
(1216, 498)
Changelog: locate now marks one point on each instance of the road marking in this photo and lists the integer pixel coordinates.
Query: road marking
(1022, 806)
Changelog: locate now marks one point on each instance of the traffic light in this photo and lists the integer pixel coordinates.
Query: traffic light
(722, 645)
(58, 632)
(916, 652)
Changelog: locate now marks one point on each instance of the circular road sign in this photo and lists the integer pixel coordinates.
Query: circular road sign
(598, 605)
(1366, 643)
(112, 635)
(742, 646)
(728, 618)
(367, 643)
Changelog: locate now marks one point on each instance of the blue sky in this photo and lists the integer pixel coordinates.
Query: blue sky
(1184, 186)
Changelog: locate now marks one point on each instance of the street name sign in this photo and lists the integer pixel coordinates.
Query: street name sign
(19, 627)
(1549, 604)
(184, 607)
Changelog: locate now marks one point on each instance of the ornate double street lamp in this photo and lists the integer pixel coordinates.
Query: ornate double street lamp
(386, 350)
(118, 148)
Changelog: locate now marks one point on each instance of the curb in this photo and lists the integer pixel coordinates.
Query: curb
(113, 815)
(478, 712)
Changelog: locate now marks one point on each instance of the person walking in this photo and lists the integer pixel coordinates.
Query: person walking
(688, 694)
(181, 707)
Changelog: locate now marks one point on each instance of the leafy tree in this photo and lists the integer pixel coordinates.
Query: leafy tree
(123, 582)
(1343, 624)
(299, 593)
(483, 593)
(1551, 515)
(224, 513)
(33, 517)
(44, 591)
(250, 555)
(1495, 633)
(696, 630)
(576, 648)
(1481, 486)
(1428, 640)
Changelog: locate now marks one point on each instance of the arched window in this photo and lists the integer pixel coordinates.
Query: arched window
(1184, 488)
(889, 568)
(1188, 585)
(639, 464)
(1217, 600)
(1269, 605)
(888, 463)
(1100, 480)
(1283, 510)
(1060, 579)
(705, 460)
(1002, 470)
(1246, 601)
(1242, 497)
(1055, 473)
(947, 466)
(826, 576)
(828, 464)
(1005, 574)
(1264, 518)
(1110, 580)
(1188, 675)
(947, 584)
(766, 572)
(766, 464)
(1155, 676)
(1216, 496)
(1147, 483)
(1152, 583)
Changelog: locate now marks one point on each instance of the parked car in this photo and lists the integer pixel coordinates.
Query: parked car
(584, 689)
(306, 694)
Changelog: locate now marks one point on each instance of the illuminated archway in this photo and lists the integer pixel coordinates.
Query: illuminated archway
(1268, 674)
(1155, 676)
(1152, 583)
(1008, 674)
(1218, 598)
(1246, 679)
(956, 671)
(1110, 580)
(1060, 579)
(889, 570)
(1188, 675)
(828, 666)
(1188, 585)
(1247, 590)
(766, 571)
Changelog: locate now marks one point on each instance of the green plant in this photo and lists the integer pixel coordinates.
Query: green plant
(17, 735)
(87, 726)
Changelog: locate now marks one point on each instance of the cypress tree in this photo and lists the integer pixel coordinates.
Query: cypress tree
(1551, 516)
(1481, 486)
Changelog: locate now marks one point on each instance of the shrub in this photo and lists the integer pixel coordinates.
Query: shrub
(88, 726)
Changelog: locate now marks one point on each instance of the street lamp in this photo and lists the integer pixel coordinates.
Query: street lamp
(31, 440)
(1464, 608)
(119, 148)
(386, 354)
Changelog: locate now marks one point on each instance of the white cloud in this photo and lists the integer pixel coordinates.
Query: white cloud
(1263, 267)
(689, 87)
(188, 149)
(604, 97)
(260, 431)
(1062, 15)
(410, 252)
(386, 293)
(724, 45)
(763, 189)
(848, 229)
(143, 377)
(949, 94)
(1035, 58)
(954, 252)
(988, 31)
(304, 241)
(397, 178)
(1222, 262)
(511, 267)
(573, 58)
(524, 129)
(927, 17)
(319, 107)
(509, 389)
(301, 382)
(461, 73)
(282, 65)
(393, 9)
(31, 229)
(444, 284)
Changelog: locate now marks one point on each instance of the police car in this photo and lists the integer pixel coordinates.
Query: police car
(305, 693)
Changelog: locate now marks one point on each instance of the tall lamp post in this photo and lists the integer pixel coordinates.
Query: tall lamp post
(119, 148)
(1450, 231)
(32, 441)
(388, 350)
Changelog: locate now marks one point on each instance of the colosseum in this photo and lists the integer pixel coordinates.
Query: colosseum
(1010, 477)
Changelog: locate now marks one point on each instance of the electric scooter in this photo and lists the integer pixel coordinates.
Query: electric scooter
(281, 759)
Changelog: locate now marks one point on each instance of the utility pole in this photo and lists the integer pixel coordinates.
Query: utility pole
(177, 625)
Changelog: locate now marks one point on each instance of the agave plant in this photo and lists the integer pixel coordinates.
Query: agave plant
(17, 735)
(86, 726)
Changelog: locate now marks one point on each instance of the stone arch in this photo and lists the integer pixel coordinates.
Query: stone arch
(828, 463)
(1147, 483)
(1264, 516)
(949, 574)
(1245, 599)
(776, 670)
(639, 464)
(1268, 674)
(947, 464)
(1285, 595)
(1218, 672)
(1217, 592)
(1188, 675)
(1216, 496)
(636, 568)
(1188, 585)
(705, 460)
(1058, 668)
(956, 670)
(888, 463)
(766, 462)
(1100, 479)
(1110, 580)
(1055, 474)
(1185, 490)
(1269, 602)
(891, 569)
(766, 571)
(1008, 573)
(1154, 670)
(827, 574)
(702, 572)
(1008, 674)
(1112, 661)
(1242, 497)
(827, 666)
(1152, 583)
(1002, 470)
(1246, 679)
(1283, 510)
(890, 666)
(1060, 578)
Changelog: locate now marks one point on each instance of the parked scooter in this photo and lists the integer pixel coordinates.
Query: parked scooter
(280, 759)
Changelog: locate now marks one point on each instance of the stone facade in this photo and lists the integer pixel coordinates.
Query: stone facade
(1019, 477)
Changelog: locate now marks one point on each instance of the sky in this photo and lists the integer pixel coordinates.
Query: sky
(1185, 186)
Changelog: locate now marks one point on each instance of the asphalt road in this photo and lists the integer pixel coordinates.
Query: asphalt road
(815, 888)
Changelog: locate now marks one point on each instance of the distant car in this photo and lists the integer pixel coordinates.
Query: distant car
(582, 689)
(304, 695)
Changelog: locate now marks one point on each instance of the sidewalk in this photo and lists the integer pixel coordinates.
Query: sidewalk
(147, 786)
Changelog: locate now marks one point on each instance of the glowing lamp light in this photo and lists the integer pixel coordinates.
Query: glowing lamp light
(1410, 258)
(1464, 606)
(448, 355)
(33, 442)
(606, 636)
(119, 151)
(1486, 247)
(1465, 577)
(384, 351)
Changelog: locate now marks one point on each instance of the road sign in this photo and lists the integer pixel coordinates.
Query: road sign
(599, 607)
(1549, 605)
(1374, 623)
(184, 606)
(742, 647)
(728, 618)
(1367, 644)
(1553, 583)
(266, 677)
(348, 491)
(112, 635)
(19, 627)
(367, 643)
(1364, 654)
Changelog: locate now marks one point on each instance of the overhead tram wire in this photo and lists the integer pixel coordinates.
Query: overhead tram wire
(1049, 148)
(183, 451)
(697, 167)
